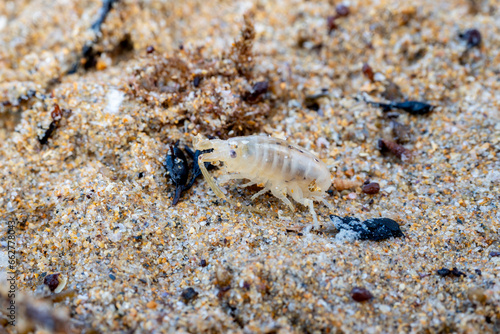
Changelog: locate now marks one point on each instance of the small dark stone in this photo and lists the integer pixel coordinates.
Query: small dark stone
(203, 263)
(113, 277)
(52, 281)
(138, 237)
(370, 188)
(150, 49)
(472, 37)
(443, 272)
(141, 175)
(413, 107)
(459, 221)
(196, 81)
(457, 273)
(311, 101)
(368, 72)
(342, 10)
(478, 271)
(374, 229)
(142, 280)
(401, 132)
(494, 254)
(255, 95)
(189, 294)
(361, 294)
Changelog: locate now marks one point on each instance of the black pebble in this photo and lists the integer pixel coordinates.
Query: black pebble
(196, 81)
(113, 277)
(374, 229)
(189, 294)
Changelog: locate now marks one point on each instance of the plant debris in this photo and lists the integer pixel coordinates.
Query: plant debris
(374, 229)
(172, 81)
(178, 169)
(399, 151)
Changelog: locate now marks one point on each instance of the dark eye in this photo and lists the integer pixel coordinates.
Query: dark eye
(232, 154)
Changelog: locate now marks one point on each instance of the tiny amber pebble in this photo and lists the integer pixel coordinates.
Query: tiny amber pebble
(371, 188)
(361, 294)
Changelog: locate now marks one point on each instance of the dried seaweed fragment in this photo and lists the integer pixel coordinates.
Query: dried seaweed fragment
(370, 188)
(241, 51)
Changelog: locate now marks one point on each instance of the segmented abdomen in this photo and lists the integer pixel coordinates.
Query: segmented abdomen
(274, 159)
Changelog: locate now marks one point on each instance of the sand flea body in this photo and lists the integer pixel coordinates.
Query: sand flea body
(282, 168)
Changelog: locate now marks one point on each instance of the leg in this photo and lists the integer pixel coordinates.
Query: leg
(282, 197)
(310, 204)
(210, 180)
(328, 205)
(263, 191)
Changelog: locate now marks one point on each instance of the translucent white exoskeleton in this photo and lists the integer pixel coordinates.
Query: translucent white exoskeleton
(282, 168)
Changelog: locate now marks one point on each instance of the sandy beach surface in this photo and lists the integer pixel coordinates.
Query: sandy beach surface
(93, 94)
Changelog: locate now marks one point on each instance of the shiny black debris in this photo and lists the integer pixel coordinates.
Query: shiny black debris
(374, 229)
(412, 107)
(178, 168)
